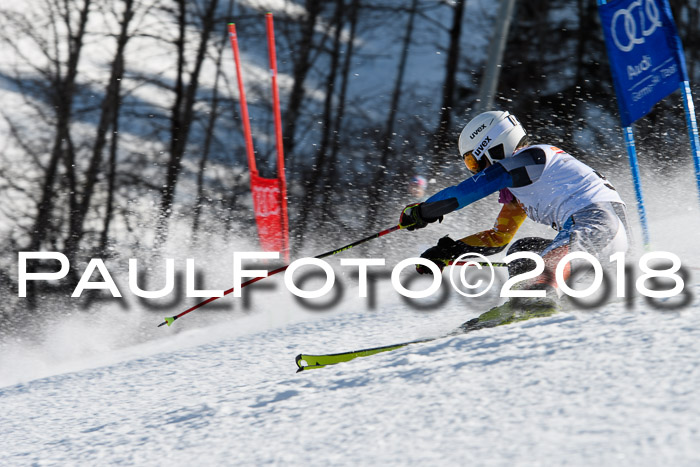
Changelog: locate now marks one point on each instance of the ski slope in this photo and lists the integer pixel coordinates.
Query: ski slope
(614, 386)
(611, 387)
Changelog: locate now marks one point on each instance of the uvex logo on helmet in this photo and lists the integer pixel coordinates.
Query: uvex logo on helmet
(480, 148)
(477, 131)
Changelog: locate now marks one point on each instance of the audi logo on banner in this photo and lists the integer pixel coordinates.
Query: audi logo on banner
(266, 201)
(639, 21)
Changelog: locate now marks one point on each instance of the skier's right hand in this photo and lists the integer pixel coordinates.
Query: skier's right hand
(411, 218)
(442, 254)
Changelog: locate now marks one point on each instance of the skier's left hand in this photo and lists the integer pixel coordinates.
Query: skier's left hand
(446, 251)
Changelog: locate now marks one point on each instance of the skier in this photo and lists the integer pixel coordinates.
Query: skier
(541, 182)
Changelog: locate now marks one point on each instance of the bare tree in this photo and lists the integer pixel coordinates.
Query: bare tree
(109, 110)
(53, 80)
(208, 137)
(319, 165)
(111, 185)
(182, 114)
(442, 140)
(330, 181)
(302, 64)
(375, 192)
(63, 81)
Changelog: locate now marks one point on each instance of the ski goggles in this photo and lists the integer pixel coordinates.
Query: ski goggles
(473, 164)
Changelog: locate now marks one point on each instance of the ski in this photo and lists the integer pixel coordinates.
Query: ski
(497, 316)
(309, 362)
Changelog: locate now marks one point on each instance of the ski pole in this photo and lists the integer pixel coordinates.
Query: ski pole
(169, 320)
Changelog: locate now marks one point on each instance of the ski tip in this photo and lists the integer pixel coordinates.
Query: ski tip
(303, 364)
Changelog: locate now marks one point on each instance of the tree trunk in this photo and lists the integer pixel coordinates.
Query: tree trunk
(111, 185)
(211, 125)
(442, 140)
(302, 65)
(182, 114)
(319, 165)
(375, 190)
(340, 113)
(110, 106)
(64, 93)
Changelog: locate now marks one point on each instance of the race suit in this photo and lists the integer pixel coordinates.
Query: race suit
(551, 187)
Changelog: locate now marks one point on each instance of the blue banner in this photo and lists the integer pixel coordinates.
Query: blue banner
(645, 54)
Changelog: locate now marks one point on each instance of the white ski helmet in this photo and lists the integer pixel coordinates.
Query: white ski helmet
(489, 136)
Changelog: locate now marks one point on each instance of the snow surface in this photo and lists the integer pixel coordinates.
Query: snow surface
(613, 387)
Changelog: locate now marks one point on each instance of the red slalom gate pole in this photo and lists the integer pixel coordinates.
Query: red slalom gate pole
(244, 105)
(278, 133)
(169, 320)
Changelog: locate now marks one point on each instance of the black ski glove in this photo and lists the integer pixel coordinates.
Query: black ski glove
(411, 218)
(446, 251)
